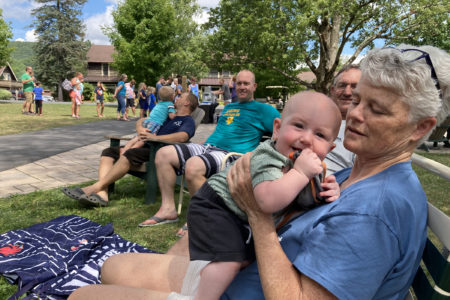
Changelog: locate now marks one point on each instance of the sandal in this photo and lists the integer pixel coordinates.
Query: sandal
(93, 200)
(74, 193)
(159, 221)
(182, 231)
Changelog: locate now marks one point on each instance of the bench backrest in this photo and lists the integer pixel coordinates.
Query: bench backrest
(432, 280)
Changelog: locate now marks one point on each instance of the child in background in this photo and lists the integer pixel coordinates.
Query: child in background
(130, 96)
(78, 101)
(218, 231)
(98, 91)
(151, 98)
(143, 103)
(37, 91)
(163, 110)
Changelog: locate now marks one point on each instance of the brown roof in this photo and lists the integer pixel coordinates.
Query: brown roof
(100, 53)
(307, 76)
(3, 68)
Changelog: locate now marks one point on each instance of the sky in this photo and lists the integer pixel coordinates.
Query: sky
(95, 13)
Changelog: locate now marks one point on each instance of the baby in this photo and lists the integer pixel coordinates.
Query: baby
(164, 109)
(281, 184)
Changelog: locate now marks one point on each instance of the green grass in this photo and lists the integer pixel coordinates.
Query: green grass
(54, 115)
(126, 211)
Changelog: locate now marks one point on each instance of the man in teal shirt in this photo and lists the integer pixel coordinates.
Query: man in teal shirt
(28, 85)
(239, 129)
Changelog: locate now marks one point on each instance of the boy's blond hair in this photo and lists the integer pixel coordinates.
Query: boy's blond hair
(166, 93)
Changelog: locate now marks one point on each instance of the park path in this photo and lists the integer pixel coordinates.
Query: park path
(61, 156)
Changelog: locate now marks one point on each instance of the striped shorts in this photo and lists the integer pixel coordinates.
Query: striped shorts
(211, 156)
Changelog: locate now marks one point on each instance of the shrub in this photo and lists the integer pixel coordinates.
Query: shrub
(5, 95)
(88, 91)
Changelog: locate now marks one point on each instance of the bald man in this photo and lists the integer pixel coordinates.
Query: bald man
(239, 129)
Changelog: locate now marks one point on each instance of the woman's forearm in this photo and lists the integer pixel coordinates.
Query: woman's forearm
(279, 278)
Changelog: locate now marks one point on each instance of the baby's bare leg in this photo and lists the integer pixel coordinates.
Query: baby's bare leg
(129, 145)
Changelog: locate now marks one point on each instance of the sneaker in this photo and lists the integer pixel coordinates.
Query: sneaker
(77, 117)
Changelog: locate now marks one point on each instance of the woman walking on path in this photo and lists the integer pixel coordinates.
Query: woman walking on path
(77, 80)
(119, 94)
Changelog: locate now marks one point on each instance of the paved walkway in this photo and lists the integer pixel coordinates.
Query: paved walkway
(66, 168)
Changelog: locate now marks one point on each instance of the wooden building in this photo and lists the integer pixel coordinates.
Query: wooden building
(100, 58)
(8, 79)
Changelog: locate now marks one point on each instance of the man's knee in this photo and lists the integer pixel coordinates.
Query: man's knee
(167, 155)
(194, 168)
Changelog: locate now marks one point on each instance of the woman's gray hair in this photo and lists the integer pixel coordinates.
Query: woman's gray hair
(411, 79)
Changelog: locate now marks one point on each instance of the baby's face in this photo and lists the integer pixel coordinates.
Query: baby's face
(306, 125)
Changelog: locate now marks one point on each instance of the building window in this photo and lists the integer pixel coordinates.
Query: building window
(105, 69)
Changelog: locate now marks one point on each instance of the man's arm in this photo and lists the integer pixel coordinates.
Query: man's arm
(145, 135)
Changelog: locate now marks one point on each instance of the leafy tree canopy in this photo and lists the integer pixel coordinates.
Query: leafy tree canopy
(60, 49)
(156, 37)
(5, 35)
(284, 34)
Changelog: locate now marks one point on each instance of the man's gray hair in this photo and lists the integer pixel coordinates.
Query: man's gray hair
(345, 69)
(410, 78)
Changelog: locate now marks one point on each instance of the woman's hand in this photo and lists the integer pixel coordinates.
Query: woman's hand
(241, 189)
(331, 188)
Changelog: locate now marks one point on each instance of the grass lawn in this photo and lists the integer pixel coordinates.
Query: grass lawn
(54, 115)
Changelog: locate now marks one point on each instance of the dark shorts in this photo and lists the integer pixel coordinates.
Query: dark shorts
(130, 102)
(143, 104)
(215, 232)
(136, 156)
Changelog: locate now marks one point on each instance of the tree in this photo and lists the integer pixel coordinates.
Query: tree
(284, 34)
(150, 35)
(5, 35)
(60, 48)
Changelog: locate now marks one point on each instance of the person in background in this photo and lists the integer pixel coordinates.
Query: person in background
(232, 86)
(151, 98)
(119, 94)
(130, 95)
(179, 89)
(28, 85)
(78, 100)
(224, 91)
(37, 91)
(99, 91)
(341, 92)
(193, 87)
(76, 81)
(143, 102)
(159, 85)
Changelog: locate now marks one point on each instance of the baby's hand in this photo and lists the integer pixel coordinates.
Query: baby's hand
(308, 163)
(331, 189)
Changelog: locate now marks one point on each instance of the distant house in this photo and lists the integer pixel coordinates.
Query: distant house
(99, 59)
(212, 79)
(8, 79)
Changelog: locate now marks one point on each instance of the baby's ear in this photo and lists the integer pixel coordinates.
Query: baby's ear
(276, 128)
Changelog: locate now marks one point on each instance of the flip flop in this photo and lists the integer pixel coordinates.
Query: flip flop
(93, 200)
(183, 229)
(74, 193)
(159, 221)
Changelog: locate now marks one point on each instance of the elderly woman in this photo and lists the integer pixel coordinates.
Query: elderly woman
(365, 245)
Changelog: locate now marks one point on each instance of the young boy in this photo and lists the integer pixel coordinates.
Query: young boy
(98, 91)
(37, 91)
(217, 227)
(159, 114)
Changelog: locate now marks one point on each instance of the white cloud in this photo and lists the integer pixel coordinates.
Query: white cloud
(20, 40)
(208, 3)
(94, 23)
(30, 36)
(201, 18)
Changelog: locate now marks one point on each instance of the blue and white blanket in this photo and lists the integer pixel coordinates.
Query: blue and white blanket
(52, 259)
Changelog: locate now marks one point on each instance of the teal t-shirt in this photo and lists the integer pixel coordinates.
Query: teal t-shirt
(123, 89)
(241, 126)
(27, 87)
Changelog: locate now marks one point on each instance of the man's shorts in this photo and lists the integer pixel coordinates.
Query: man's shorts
(215, 232)
(211, 156)
(136, 156)
(28, 97)
(130, 102)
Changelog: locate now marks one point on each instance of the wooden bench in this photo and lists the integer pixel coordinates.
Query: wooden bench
(435, 263)
(147, 171)
(437, 135)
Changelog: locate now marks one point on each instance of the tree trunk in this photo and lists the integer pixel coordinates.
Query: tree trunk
(60, 93)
